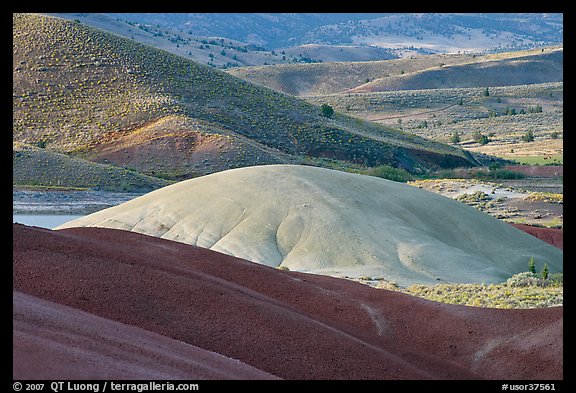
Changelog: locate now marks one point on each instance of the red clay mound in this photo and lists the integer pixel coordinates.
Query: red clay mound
(291, 325)
(537, 170)
(52, 341)
(553, 236)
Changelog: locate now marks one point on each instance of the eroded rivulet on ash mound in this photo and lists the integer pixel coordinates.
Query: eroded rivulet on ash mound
(104, 303)
(330, 222)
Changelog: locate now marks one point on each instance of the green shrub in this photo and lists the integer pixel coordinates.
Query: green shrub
(524, 279)
(327, 110)
(390, 173)
(557, 278)
(455, 138)
(498, 174)
(545, 271)
(476, 196)
(528, 137)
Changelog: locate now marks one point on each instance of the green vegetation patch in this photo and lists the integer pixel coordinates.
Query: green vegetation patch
(522, 290)
(493, 295)
(554, 159)
(390, 173)
(37, 167)
(549, 197)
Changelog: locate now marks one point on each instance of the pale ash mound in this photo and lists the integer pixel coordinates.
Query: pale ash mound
(330, 222)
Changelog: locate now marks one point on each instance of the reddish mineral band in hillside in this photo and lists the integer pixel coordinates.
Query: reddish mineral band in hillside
(55, 341)
(330, 222)
(138, 301)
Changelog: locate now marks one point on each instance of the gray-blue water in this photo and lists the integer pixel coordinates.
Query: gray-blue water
(49, 221)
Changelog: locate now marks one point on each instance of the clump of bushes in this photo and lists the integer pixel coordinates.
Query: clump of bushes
(390, 173)
(549, 197)
(498, 173)
(530, 289)
(476, 196)
(327, 110)
(526, 279)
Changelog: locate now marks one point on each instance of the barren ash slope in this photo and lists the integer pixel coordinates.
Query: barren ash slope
(104, 98)
(124, 303)
(330, 222)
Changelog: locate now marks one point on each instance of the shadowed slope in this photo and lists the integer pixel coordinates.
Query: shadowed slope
(534, 68)
(329, 222)
(52, 341)
(290, 324)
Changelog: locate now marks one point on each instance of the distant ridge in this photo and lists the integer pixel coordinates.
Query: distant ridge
(417, 72)
(539, 67)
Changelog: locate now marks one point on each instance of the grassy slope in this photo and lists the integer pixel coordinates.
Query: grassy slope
(78, 89)
(40, 167)
(329, 78)
(215, 51)
(415, 73)
(538, 67)
(483, 295)
(444, 116)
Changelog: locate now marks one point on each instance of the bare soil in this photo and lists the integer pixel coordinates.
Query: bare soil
(287, 324)
(509, 200)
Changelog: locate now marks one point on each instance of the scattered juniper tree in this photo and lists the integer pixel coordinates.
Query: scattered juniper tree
(480, 138)
(544, 272)
(455, 138)
(327, 110)
(483, 139)
(528, 137)
(532, 265)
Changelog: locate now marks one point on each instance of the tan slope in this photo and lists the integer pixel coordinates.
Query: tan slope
(533, 68)
(178, 147)
(324, 221)
(75, 86)
(331, 78)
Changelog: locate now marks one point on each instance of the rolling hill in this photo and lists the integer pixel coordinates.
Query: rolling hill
(331, 78)
(142, 304)
(536, 67)
(104, 98)
(215, 51)
(52, 340)
(433, 32)
(33, 166)
(330, 222)
(415, 72)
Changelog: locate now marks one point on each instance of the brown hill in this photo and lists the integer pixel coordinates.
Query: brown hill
(330, 78)
(292, 325)
(101, 97)
(539, 67)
